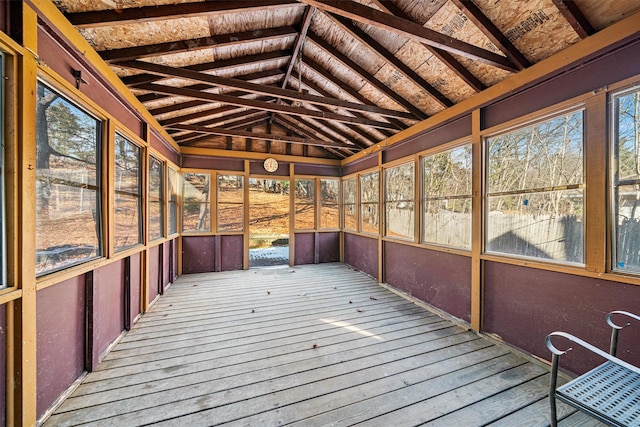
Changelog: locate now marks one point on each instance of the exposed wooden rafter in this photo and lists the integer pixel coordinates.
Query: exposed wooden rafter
(574, 16)
(355, 67)
(377, 49)
(411, 30)
(344, 86)
(132, 15)
(146, 51)
(252, 77)
(253, 135)
(224, 64)
(260, 105)
(259, 89)
(445, 57)
(485, 25)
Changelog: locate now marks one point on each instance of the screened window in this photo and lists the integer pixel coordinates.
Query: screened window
(446, 198)
(173, 201)
(305, 204)
(535, 190)
(399, 201)
(68, 214)
(230, 203)
(349, 204)
(196, 215)
(626, 180)
(369, 198)
(329, 203)
(128, 194)
(156, 199)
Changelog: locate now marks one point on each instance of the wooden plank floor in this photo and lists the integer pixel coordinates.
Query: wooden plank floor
(308, 346)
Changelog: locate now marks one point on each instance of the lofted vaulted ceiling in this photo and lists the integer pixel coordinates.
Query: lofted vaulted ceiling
(321, 78)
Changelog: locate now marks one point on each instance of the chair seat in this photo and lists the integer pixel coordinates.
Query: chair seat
(609, 392)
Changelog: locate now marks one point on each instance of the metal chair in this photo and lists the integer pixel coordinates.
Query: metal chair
(609, 392)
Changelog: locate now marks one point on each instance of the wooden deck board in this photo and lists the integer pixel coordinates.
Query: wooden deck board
(309, 346)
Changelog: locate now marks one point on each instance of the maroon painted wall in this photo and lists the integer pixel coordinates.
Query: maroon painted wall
(108, 307)
(456, 129)
(52, 53)
(362, 164)
(60, 324)
(164, 147)
(166, 260)
(523, 305)
(3, 363)
(329, 244)
(361, 253)
(319, 170)
(607, 69)
(154, 272)
(136, 285)
(198, 254)
(231, 253)
(218, 163)
(305, 248)
(439, 278)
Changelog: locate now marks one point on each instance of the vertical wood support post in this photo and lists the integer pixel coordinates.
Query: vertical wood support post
(21, 315)
(245, 235)
(476, 223)
(292, 215)
(381, 219)
(595, 195)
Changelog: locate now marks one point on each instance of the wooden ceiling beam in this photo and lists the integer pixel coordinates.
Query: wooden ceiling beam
(297, 126)
(260, 89)
(358, 129)
(252, 77)
(370, 16)
(254, 135)
(223, 120)
(224, 64)
(345, 137)
(297, 47)
(572, 13)
(485, 25)
(243, 123)
(131, 15)
(374, 46)
(159, 49)
(356, 68)
(344, 86)
(339, 152)
(261, 105)
(445, 57)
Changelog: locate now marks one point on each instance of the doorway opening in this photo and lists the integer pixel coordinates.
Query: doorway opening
(268, 222)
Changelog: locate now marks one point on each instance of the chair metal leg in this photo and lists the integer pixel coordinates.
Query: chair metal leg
(552, 390)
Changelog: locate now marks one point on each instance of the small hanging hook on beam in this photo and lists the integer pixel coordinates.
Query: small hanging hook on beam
(77, 74)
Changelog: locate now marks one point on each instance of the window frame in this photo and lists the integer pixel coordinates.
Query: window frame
(211, 175)
(517, 125)
(343, 185)
(444, 148)
(172, 204)
(361, 204)
(386, 202)
(160, 199)
(102, 142)
(614, 180)
(314, 203)
(337, 204)
(216, 214)
(140, 196)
